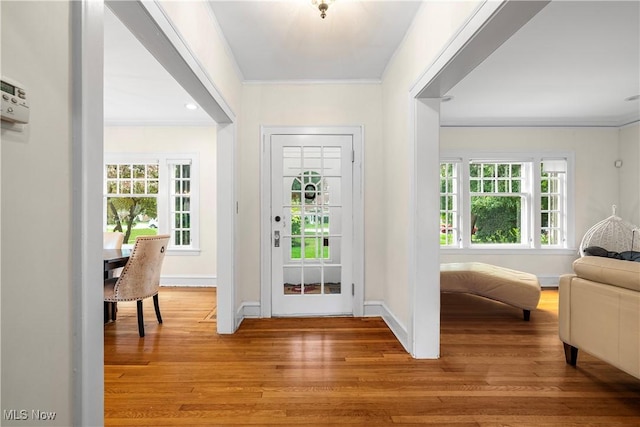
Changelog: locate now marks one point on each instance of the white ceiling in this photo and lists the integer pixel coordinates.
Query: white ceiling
(137, 90)
(287, 40)
(573, 64)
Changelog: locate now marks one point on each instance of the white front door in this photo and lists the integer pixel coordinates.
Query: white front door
(311, 225)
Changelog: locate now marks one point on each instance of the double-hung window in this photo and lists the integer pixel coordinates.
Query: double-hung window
(153, 194)
(505, 201)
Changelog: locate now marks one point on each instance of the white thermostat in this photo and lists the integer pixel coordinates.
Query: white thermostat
(15, 104)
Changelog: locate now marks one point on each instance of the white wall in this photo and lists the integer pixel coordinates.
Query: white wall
(434, 25)
(630, 174)
(36, 215)
(596, 182)
(180, 269)
(196, 24)
(308, 105)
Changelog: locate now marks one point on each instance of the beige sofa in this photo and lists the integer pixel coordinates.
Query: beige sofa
(599, 312)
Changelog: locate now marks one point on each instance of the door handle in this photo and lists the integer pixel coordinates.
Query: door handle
(276, 239)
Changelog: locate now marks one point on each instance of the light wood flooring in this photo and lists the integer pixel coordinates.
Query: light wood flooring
(495, 370)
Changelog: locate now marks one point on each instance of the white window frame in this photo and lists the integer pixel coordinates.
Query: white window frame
(166, 161)
(532, 202)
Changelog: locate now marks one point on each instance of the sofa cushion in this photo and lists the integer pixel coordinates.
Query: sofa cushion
(621, 273)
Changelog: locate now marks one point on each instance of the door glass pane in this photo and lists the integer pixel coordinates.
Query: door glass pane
(291, 191)
(332, 191)
(312, 158)
(291, 278)
(333, 220)
(312, 280)
(314, 248)
(295, 228)
(332, 249)
(331, 167)
(332, 280)
(291, 161)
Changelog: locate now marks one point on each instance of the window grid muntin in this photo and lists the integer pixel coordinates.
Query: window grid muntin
(499, 178)
(122, 178)
(164, 219)
(553, 213)
(449, 196)
(310, 163)
(180, 204)
(531, 174)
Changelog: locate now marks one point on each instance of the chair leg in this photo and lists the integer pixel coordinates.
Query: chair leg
(114, 309)
(106, 312)
(140, 319)
(156, 305)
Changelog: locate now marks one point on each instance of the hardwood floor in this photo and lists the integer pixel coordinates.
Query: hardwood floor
(495, 370)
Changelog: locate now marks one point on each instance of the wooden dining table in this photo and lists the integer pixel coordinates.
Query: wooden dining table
(114, 258)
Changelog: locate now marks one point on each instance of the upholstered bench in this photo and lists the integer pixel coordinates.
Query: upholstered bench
(511, 287)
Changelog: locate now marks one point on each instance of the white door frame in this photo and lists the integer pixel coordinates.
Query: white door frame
(490, 25)
(87, 151)
(149, 23)
(357, 133)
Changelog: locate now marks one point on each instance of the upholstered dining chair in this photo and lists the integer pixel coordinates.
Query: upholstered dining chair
(140, 277)
(112, 240)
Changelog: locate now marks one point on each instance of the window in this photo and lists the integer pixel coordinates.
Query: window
(449, 230)
(180, 204)
(504, 201)
(132, 199)
(149, 196)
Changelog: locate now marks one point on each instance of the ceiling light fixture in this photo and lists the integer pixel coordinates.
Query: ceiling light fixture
(446, 98)
(190, 106)
(632, 98)
(323, 6)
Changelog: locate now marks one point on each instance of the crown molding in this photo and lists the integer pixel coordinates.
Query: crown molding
(314, 82)
(540, 122)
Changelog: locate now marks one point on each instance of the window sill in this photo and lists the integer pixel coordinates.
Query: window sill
(183, 251)
(509, 251)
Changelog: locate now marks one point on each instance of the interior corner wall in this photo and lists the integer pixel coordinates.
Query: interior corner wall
(309, 105)
(434, 26)
(195, 22)
(630, 173)
(596, 181)
(200, 140)
(37, 359)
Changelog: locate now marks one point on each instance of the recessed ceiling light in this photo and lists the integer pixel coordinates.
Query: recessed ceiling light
(191, 106)
(632, 98)
(446, 98)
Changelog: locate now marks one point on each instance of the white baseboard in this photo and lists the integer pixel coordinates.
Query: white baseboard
(250, 309)
(379, 308)
(247, 310)
(549, 281)
(195, 280)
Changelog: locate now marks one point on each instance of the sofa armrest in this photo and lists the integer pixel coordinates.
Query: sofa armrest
(564, 307)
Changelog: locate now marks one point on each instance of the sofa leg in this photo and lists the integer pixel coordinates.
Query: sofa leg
(526, 314)
(570, 354)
